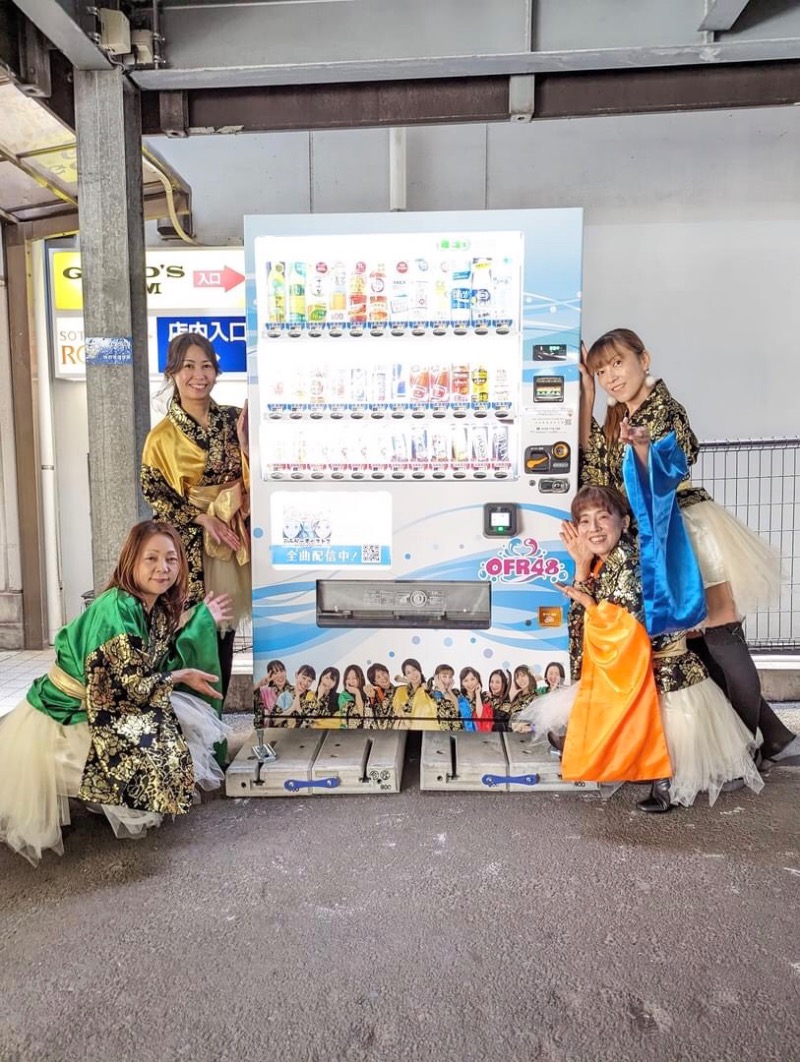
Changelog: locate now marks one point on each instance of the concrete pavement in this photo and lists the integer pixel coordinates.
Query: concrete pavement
(442, 927)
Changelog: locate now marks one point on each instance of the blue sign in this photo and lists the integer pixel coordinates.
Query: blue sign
(336, 556)
(227, 335)
(109, 350)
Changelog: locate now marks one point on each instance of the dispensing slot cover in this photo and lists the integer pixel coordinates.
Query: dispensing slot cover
(403, 603)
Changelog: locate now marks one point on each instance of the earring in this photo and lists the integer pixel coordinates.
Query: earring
(611, 401)
(650, 380)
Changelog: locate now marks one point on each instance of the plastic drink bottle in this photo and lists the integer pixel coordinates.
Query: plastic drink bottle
(481, 298)
(276, 293)
(297, 292)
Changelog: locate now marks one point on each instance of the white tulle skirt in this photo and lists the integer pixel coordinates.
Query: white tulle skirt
(41, 766)
(729, 552)
(707, 741)
(550, 712)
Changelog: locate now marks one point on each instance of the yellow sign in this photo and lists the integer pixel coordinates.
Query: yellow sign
(67, 288)
(176, 279)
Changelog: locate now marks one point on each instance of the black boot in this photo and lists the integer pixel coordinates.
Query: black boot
(728, 650)
(658, 801)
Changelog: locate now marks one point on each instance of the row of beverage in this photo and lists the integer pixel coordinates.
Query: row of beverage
(450, 288)
(386, 385)
(317, 446)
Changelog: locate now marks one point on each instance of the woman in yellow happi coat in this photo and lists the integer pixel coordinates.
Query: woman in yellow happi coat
(195, 476)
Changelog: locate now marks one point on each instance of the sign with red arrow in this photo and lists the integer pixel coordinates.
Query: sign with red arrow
(226, 278)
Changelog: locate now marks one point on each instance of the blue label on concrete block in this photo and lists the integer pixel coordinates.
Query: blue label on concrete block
(109, 350)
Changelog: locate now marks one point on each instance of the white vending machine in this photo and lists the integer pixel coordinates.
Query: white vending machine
(413, 392)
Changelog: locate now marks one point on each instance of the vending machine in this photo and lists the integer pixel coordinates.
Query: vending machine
(413, 395)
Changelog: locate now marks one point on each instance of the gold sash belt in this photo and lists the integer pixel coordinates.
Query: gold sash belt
(670, 651)
(230, 503)
(66, 683)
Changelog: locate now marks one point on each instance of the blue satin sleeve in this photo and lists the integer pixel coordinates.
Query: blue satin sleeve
(672, 585)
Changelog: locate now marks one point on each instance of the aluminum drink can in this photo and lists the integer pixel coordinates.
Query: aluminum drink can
(500, 443)
(480, 443)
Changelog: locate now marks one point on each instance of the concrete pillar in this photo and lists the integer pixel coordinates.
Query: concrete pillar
(21, 573)
(108, 126)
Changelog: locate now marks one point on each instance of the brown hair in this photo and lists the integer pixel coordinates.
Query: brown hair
(617, 341)
(599, 498)
(523, 669)
(123, 577)
(176, 354)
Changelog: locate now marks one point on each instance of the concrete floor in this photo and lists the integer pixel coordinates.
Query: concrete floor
(431, 927)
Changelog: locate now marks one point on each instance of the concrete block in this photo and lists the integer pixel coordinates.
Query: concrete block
(459, 761)
(491, 763)
(362, 761)
(526, 758)
(296, 751)
(12, 633)
(780, 683)
(319, 762)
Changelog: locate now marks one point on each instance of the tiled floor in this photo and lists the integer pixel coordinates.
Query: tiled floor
(18, 668)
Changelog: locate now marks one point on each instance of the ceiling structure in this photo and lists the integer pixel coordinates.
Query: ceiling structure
(227, 66)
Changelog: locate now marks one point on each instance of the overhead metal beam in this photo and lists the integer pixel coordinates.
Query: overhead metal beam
(462, 66)
(280, 109)
(59, 24)
(722, 14)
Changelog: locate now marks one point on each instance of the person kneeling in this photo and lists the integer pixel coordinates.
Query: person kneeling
(108, 724)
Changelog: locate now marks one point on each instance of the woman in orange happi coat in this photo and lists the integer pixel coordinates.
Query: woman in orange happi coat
(644, 708)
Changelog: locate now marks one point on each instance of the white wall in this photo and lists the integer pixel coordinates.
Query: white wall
(692, 230)
(692, 238)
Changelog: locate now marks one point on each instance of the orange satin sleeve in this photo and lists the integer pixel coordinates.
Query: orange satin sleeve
(615, 732)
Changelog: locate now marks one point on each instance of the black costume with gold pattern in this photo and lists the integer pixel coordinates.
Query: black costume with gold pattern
(180, 454)
(601, 461)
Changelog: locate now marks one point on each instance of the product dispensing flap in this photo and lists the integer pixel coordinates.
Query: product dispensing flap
(383, 603)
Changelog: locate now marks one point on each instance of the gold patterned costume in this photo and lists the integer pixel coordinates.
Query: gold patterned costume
(105, 725)
(187, 470)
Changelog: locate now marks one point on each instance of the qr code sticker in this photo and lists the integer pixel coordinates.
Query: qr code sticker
(370, 554)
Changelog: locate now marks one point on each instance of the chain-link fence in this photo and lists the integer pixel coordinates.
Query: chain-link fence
(757, 481)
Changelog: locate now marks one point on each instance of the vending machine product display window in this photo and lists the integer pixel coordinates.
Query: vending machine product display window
(412, 445)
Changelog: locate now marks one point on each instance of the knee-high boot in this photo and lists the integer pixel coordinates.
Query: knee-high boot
(732, 668)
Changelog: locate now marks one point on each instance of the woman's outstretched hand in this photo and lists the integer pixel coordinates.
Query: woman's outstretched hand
(587, 391)
(587, 380)
(580, 552)
(219, 530)
(635, 436)
(220, 606)
(196, 680)
(243, 431)
(579, 596)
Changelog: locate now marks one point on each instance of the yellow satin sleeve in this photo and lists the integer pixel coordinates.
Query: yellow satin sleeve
(180, 461)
